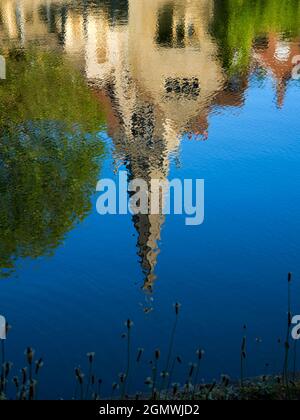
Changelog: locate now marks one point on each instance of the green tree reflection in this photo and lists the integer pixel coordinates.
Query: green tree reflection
(237, 24)
(50, 153)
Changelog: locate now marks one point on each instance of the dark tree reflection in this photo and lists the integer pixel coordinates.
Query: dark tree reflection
(49, 155)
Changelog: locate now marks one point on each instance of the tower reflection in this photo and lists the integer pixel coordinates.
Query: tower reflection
(156, 68)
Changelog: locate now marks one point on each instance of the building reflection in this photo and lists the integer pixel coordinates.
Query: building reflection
(155, 67)
(276, 55)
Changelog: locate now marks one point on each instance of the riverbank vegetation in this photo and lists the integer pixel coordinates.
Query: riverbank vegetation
(160, 383)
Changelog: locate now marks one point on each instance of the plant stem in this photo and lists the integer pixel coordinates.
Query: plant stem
(154, 378)
(170, 351)
(171, 374)
(196, 379)
(295, 361)
(89, 381)
(287, 342)
(128, 365)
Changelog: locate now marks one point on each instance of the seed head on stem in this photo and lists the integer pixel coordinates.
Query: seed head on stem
(29, 353)
(91, 357)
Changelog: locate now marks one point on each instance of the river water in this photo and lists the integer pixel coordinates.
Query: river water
(185, 89)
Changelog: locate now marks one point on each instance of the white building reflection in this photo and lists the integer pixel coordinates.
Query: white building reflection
(152, 64)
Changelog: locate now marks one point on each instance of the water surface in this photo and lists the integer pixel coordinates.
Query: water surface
(162, 89)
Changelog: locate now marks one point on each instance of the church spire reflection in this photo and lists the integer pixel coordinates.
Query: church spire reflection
(159, 67)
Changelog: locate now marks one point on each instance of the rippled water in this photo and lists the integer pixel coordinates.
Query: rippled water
(163, 89)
